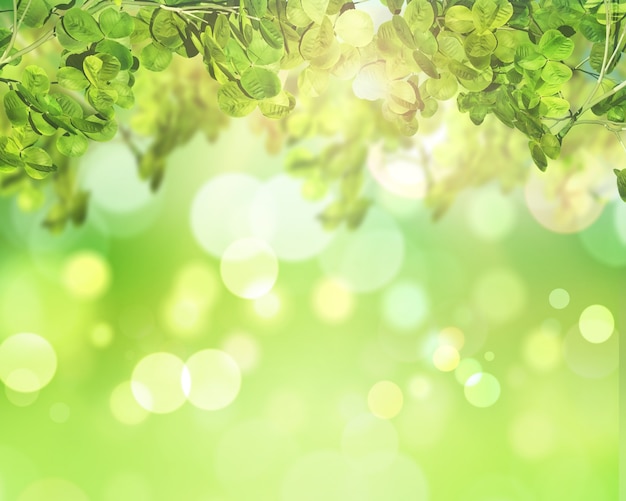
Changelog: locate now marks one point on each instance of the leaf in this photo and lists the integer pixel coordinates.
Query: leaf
(527, 57)
(81, 26)
(556, 73)
(425, 64)
(490, 14)
(553, 107)
(37, 14)
(70, 107)
(554, 45)
(15, 109)
(72, 145)
(233, 101)
(72, 78)
(271, 33)
(36, 80)
(315, 9)
(538, 155)
(403, 31)
(257, 8)
(317, 41)
(480, 45)
(39, 162)
(155, 58)
(279, 106)
(221, 30)
(355, 27)
(419, 15)
(459, 19)
(260, 83)
(551, 146)
(443, 88)
(621, 183)
(117, 50)
(115, 24)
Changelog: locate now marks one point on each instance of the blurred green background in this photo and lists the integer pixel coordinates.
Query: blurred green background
(212, 343)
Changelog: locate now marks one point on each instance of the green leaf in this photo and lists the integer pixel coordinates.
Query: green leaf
(279, 106)
(115, 24)
(271, 33)
(419, 15)
(260, 83)
(70, 107)
(221, 30)
(554, 45)
(37, 14)
(527, 57)
(257, 8)
(120, 52)
(315, 9)
(538, 155)
(233, 101)
(443, 88)
(39, 162)
(79, 25)
(15, 109)
(459, 19)
(480, 45)
(553, 107)
(556, 73)
(155, 58)
(621, 182)
(36, 80)
(425, 64)
(491, 14)
(72, 145)
(403, 31)
(317, 40)
(355, 27)
(551, 146)
(72, 78)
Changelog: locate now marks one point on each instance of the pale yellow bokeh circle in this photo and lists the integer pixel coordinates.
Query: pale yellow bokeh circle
(596, 323)
(249, 268)
(86, 275)
(27, 362)
(124, 406)
(452, 336)
(102, 335)
(215, 379)
(446, 358)
(385, 399)
(482, 389)
(466, 369)
(332, 301)
(542, 350)
(559, 299)
(156, 383)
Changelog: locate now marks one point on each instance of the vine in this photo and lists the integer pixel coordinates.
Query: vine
(67, 68)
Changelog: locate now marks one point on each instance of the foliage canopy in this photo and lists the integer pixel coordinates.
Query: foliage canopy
(69, 67)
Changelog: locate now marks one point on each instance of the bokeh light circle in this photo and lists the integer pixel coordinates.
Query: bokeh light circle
(376, 246)
(542, 350)
(109, 171)
(86, 275)
(446, 358)
(220, 213)
(466, 369)
(590, 360)
(491, 214)
(249, 268)
(482, 389)
(596, 323)
(156, 383)
(332, 301)
(295, 234)
(500, 295)
(385, 399)
(124, 406)
(559, 299)
(215, 379)
(405, 305)
(27, 362)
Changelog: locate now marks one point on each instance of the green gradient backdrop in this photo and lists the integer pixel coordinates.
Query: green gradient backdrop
(301, 427)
